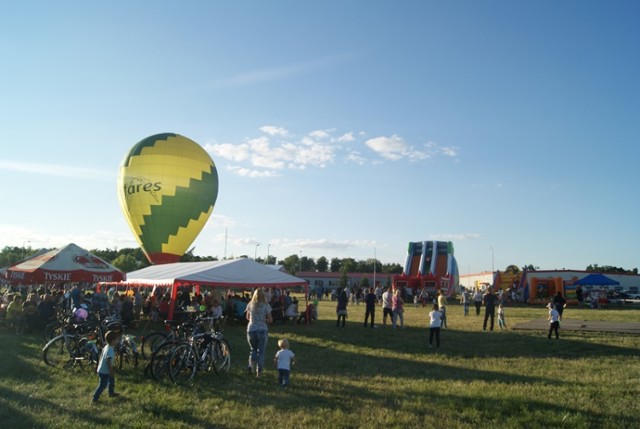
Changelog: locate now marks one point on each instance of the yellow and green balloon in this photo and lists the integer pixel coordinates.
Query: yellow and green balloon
(167, 186)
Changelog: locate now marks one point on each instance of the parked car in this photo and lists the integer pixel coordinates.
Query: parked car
(629, 294)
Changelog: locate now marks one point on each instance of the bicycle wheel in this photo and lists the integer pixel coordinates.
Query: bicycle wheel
(159, 364)
(127, 356)
(57, 351)
(151, 342)
(52, 330)
(221, 356)
(182, 364)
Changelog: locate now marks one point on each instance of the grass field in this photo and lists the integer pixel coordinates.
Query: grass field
(357, 377)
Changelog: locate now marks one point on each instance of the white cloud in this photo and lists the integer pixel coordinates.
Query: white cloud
(319, 134)
(233, 152)
(13, 235)
(455, 237)
(220, 220)
(277, 73)
(272, 130)
(56, 170)
(356, 157)
(279, 150)
(247, 172)
(449, 151)
(346, 138)
(394, 148)
(322, 244)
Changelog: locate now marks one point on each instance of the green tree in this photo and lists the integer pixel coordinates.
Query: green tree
(512, 269)
(108, 255)
(344, 279)
(322, 264)
(336, 264)
(125, 262)
(393, 268)
(308, 264)
(291, 263)
(349, 264)
(530, 267)
(364, 282)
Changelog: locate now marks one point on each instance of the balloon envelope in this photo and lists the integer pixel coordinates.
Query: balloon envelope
(167, 187)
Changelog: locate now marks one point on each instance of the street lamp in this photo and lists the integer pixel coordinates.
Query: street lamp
(268, 247)
(24, 250)
(492, 258)
(255, 253)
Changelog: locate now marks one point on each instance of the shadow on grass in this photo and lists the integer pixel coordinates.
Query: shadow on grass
(15, 403)
(458, 343)
(424, 406)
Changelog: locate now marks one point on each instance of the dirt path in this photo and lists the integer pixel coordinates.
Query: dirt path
(582, 325)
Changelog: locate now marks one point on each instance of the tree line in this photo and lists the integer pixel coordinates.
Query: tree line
(131, 259)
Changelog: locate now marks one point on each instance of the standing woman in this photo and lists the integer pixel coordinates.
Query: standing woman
(341, 308)
(397, 307)
(259, 315)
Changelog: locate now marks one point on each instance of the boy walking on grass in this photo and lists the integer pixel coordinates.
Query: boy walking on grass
(283, 361)
(105, 367)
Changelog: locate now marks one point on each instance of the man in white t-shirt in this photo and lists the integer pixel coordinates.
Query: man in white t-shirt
(283, 361)
(387, 303)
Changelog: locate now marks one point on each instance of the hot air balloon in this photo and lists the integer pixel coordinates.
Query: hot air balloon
(167, 187)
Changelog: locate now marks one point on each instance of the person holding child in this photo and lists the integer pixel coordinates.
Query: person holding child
(106, 367)
(283, 361)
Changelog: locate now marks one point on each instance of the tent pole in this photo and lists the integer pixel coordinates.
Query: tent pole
(172, 304)
(306, 301)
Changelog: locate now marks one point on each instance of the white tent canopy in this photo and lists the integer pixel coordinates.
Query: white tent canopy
(235, 273)
(229, 273)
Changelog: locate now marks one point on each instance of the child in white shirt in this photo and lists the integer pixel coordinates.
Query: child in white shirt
(283, 361)
(554, 321)
(501, 321)
(435, 322)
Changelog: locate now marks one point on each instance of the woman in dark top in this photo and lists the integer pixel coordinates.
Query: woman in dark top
(341, 309)
(559, 303)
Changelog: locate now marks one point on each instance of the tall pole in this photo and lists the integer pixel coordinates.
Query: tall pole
(375, 262)
(24, 249)
(225, 243)
(268, 247)
(255, 254)
(492, 259)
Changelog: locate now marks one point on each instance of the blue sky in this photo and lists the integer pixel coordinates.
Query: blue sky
(336, 127)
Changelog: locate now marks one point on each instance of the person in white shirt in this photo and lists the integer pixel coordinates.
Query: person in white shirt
(283, 361)
(554, 321)
(435, 322)
(387, 303)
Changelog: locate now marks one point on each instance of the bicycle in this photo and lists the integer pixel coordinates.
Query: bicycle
(204, 351)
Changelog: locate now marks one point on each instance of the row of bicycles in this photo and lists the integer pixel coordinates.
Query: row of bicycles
(74, 342)
(186, 348)
(176, 353)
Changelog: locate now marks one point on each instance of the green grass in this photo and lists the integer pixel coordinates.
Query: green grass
(357, 377)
